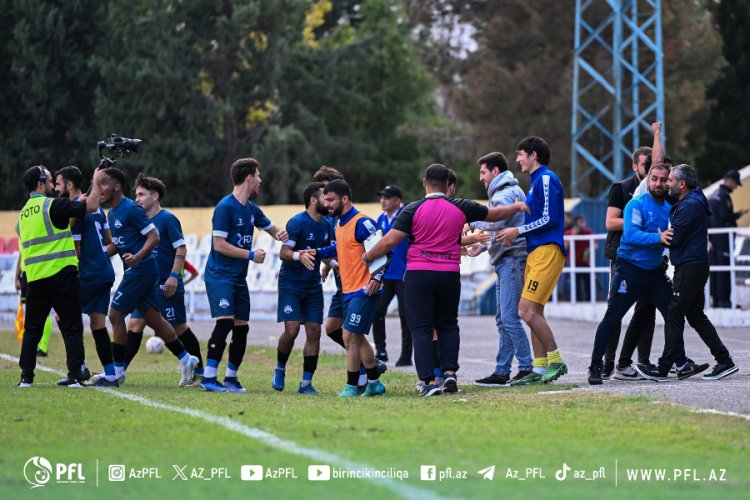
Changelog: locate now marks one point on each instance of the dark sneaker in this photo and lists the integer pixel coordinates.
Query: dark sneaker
(430, 390)
(382, 356)
(307, 389)
(609, 367)
(530, 378)
(70, 382)
(382, 367)
(233, 384)
(649, 373)
(493, 380)
(212, 385)
(103, 382)
(629, 373)
(41, 354)
(691, 369)
(85, 374)
(521, 374)
(721, 370)
(25, 382)
(554, 372)
(403, 362)
(278, 379)
(595, 375)
(450, 384)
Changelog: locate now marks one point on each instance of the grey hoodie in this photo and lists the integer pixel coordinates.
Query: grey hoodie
(503, 191)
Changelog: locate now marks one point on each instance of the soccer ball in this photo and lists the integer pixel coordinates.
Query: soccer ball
(155, 345)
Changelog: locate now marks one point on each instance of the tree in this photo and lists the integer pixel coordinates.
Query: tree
(46, 96)
(727, 142)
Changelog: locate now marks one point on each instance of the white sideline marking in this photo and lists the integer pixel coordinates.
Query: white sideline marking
(404, 490)
(725, 413)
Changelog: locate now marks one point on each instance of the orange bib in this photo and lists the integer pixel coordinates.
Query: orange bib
(354, 274)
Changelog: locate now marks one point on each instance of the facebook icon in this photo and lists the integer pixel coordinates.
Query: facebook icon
(427, 472)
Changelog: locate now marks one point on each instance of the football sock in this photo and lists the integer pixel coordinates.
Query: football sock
(133, 345)
(554, 356)
(238, 344)
(281, 359)
(104, 351)
(540, 365)
(216, 345)
(118, 355)
(193, 347)
(310, 364)
(372, 374)
(210, 369)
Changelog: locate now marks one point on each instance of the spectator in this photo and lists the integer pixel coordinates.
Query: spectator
(723, 215)
(581, 251)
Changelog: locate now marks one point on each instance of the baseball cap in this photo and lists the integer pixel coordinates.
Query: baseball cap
(734, 175)
(390, 191)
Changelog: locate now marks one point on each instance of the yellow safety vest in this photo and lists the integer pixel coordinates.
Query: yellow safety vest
(45, 249)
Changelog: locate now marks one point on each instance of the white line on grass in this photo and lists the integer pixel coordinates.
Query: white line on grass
(402, 489)
(725, 413)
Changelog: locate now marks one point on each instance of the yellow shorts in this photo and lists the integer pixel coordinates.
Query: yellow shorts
(544, 266)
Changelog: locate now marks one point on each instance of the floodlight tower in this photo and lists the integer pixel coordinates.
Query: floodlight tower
(618, 89)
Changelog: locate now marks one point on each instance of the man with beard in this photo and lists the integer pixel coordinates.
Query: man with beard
(49, 259)
(233, 227)
(361, 290)
(91, 235)
(639, 269)
(689, 254)
(300, 290)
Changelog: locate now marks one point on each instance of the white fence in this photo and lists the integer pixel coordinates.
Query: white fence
(738, 267)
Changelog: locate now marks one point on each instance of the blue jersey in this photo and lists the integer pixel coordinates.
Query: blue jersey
(332, 221)
(129, 225)
(94, 266)
(545, 223)
(304, 233)
(397, 266)
(170, 234)
(236, 223)
(643, 218)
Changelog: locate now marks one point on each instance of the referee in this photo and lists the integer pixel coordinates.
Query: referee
(51, 265)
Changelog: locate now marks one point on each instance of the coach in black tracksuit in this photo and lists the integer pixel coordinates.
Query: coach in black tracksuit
(688, 251)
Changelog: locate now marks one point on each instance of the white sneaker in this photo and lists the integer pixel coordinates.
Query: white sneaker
(186, 371)
(627, 373)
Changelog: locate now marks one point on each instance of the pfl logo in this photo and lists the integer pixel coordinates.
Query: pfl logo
(118, 224)
(223, 303)
(38, 471)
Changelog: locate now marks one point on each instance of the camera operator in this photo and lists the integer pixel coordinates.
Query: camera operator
(49, 260)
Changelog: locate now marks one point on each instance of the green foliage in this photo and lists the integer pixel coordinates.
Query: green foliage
(296, 83)
(727, 141)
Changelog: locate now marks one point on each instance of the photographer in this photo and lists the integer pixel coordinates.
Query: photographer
(49, 259)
